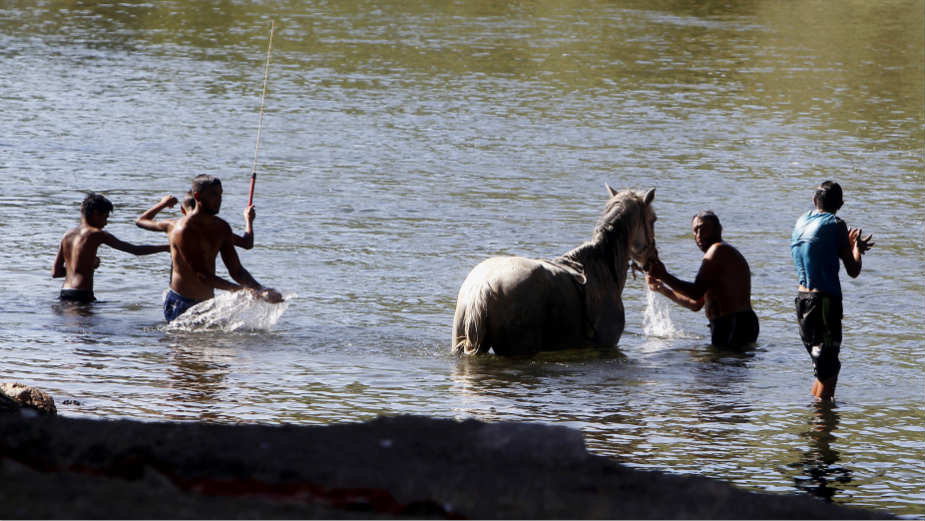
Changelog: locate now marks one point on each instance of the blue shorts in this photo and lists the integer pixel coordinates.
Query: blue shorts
(176, 304)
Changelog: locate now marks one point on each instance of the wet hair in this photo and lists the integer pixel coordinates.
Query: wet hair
(95, 202)
(203, 181)
(828, 196)
(709, 216)
(189, 202)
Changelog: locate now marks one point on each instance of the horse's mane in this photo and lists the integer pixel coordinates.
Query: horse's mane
(612, 229)
(619, 216)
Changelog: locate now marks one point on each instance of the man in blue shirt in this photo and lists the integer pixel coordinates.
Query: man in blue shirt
(819, 241)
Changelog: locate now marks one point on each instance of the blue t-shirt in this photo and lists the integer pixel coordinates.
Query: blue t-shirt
(815, 244)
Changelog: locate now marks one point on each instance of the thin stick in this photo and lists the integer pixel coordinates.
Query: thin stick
(266, 77)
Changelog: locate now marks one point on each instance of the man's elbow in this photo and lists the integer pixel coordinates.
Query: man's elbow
(146, 224)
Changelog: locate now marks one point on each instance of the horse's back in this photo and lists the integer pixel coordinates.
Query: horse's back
(517, 305)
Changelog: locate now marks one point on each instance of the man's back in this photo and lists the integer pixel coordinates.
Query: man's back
(195, 241)
(817, 239)
(729, 280)
(78, 247)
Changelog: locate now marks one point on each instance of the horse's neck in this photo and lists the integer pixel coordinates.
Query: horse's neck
(599, 264)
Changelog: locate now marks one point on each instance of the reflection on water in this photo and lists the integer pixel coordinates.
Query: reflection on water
(197, 376)
(821, 473)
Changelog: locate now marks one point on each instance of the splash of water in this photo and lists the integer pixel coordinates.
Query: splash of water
(656, 319)
(231, 311)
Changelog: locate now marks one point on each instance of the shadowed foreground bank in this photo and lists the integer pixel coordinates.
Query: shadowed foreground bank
(54, 467)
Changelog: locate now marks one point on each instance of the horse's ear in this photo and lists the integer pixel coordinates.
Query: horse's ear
(611, 190)
(650, 195)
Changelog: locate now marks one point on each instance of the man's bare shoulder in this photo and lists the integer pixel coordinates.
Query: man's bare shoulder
(91, 234)
(70, 234)
(721, 251)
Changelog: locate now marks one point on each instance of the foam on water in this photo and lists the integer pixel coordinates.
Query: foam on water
(656, 319)
(231, 311)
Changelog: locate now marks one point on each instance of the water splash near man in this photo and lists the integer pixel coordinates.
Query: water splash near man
(231, 311)
(656, 319)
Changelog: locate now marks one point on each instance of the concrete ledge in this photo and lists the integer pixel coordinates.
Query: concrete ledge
(392, 467)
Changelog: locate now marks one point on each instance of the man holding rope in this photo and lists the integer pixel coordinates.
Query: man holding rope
(195, 241)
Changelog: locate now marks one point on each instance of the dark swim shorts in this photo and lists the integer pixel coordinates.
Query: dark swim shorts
(176, 304)
(77, 295)
(734, 330)
(820, 329)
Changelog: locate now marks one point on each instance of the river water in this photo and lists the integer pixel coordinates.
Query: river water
(403, 144)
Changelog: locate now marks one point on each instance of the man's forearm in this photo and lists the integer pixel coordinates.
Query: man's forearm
(684, 288)
(219, 283)
(244, 278)
(682, 300)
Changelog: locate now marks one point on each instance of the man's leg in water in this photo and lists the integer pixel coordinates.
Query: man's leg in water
(825, 390)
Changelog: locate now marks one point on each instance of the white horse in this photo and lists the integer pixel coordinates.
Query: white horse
(519, 306)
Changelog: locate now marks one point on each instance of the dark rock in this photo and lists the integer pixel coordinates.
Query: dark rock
(393, 467)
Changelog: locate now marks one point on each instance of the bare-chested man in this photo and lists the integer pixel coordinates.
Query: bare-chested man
(723, 285)
(76, 260)
(195, 241)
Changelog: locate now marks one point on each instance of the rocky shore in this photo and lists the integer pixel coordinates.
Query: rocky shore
(392, 467)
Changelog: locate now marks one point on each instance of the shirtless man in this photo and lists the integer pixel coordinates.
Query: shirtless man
(76, 260)
(723, 285)
(195, 241)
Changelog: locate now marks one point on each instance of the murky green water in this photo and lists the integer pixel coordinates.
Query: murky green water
(403, 144)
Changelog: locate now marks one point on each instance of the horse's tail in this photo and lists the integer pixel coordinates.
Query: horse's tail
(470, 324)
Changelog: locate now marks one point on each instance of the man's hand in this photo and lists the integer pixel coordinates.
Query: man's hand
(249, 214)
(861, 243)
(654, 284)
(168, 201)
(656, 270)
(269, 295)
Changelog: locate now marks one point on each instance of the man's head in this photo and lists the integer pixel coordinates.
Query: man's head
(95, 209)
(828, 197)
(188, 204)
(207, 190)
(707, 229)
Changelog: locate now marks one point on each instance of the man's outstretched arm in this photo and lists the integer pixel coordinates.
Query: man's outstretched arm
(674, 296)
(691, 291)
(135, 249)
(243, 277)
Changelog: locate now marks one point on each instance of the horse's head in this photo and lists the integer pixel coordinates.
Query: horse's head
(639, 225)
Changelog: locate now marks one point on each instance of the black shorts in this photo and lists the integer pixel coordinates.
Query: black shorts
(76, 295)
(820, 317)
(734, 330)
